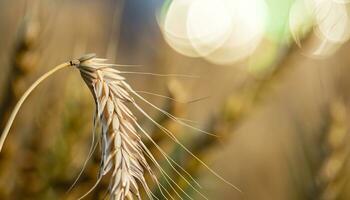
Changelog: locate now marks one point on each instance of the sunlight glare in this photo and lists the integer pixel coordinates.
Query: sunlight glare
(248, 28)
(221, 31)
(175, 28)
(209, 25)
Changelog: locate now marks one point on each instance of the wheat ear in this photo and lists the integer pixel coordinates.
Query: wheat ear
(123, 151)
(121, 145)
(122, 148)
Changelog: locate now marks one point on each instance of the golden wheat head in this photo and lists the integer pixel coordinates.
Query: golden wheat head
(121, 145)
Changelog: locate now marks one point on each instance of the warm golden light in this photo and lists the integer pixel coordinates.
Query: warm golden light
(221, 31)
(332, 21)
(248, 26)
(300, 21)
(175, 27)
(209, 25)
(329, 21)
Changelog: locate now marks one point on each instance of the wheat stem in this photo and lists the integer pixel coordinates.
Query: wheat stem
(24, 97)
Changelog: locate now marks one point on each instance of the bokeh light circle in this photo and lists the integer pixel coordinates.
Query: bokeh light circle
(175, 27)
(248, 28)
(209, 25)
(221, 31)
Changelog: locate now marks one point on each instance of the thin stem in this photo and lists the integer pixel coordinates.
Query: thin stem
(24, 97)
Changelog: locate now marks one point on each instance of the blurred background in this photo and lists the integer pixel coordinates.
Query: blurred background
(274, 86)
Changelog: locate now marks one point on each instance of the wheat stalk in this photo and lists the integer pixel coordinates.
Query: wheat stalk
(23, 98)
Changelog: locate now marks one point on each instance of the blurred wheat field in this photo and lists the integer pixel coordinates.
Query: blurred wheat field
(274, 91)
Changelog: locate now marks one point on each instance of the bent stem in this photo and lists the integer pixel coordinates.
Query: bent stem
(24, 97)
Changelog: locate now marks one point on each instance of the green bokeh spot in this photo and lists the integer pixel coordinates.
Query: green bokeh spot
(277, 23)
